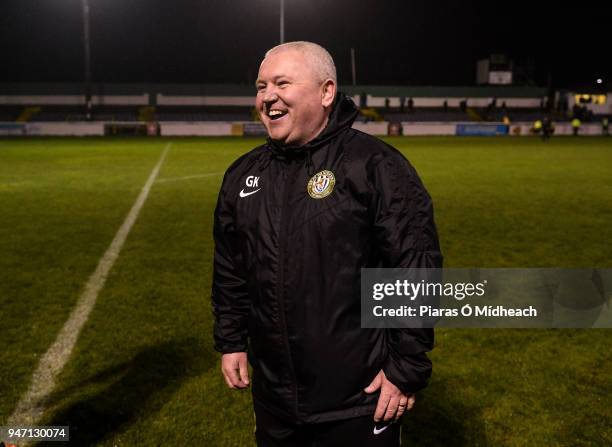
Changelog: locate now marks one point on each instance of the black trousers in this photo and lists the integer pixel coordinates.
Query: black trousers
(271, 431)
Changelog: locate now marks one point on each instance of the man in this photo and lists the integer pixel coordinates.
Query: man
(576, 123)
(548, 127)
(537, 126)
(296, 220)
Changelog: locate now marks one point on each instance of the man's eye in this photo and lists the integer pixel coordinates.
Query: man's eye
(283, 84)
(260, 87)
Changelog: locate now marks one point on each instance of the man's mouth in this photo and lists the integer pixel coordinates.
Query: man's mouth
(275, 114)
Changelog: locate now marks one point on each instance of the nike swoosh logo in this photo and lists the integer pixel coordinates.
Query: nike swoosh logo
(244, 194)
(378, 431)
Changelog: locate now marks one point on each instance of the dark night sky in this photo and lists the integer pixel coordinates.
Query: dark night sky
(222, 41)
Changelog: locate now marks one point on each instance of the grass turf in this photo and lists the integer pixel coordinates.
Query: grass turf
(144, 372)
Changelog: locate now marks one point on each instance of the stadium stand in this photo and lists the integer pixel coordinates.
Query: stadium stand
(223, 109)
(427, 114)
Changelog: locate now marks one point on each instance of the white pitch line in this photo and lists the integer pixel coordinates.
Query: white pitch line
(31, 406)
(174, 179)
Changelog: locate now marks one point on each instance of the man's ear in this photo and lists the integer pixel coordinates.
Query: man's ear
(328, 93)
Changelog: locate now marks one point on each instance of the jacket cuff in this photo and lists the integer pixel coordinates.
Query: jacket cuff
(409, 373)
(228, 348)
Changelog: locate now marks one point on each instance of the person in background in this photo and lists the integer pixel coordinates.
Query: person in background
(506, 121)
(537, 127)
(576, 123)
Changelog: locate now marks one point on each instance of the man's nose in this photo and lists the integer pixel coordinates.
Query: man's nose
(270, 95)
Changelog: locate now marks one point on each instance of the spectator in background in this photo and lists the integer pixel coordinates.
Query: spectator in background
(576, 123)
(445, 105)
(547, 128)
(506, 121)
(605, 122)
(402, 103)
(410, 104)
(463, 105)
(386, 104)
(537, 127)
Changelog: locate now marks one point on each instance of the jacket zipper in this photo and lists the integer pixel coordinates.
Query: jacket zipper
(289, 182)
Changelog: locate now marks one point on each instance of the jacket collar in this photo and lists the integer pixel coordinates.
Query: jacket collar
(341, 117)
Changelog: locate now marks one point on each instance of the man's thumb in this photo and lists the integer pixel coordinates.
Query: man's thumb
(376, 383)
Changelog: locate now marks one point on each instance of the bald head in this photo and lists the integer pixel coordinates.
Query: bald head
(318, 58)
(296, 87)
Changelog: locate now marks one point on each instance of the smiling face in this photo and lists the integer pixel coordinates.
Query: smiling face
(292, 101)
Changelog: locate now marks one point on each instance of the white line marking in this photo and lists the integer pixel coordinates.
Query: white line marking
(31, 406)
(174, 179)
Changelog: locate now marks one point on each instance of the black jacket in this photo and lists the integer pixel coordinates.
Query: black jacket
(286, 283)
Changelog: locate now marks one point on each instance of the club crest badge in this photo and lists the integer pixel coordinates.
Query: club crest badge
(321, 184)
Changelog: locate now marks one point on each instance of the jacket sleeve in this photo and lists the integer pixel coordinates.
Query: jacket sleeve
(406, 237)
(230, 299)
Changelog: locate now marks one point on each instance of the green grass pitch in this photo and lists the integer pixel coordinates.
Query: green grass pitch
(144, 372)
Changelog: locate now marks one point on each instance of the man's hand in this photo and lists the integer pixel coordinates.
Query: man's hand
(392, 403)
(235, 370)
